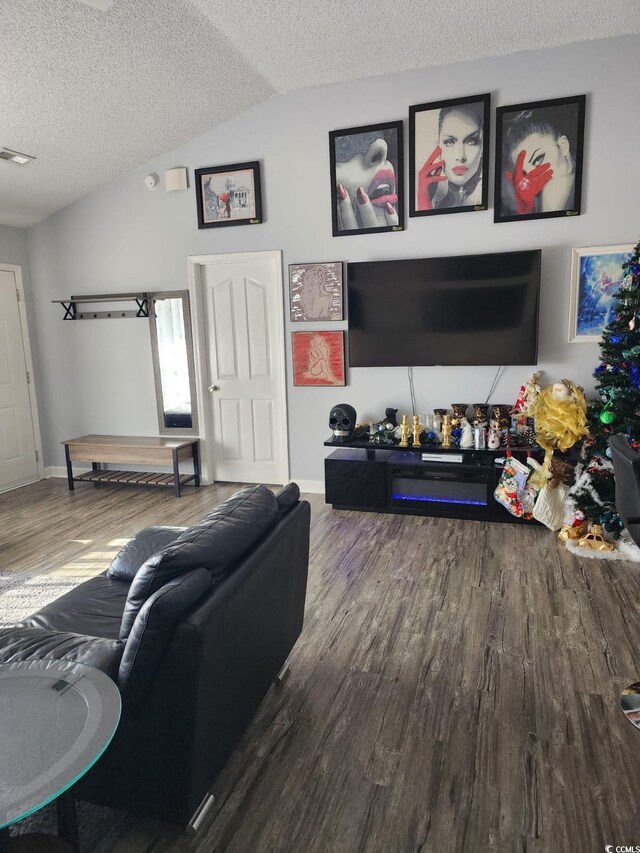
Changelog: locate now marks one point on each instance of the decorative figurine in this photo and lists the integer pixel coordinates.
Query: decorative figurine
(561, 417)
(595, 540)
(446, 430)
(466, 439)
(342, 421)
(493, 439)
(390, 417)
(404, 441)
(528, 395)
(417, 431)
(568, 531)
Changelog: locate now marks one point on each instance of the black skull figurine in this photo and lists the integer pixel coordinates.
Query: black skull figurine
(342, 420)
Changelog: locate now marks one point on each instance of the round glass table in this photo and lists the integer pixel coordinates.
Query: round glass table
(630, 703)
(56, 720)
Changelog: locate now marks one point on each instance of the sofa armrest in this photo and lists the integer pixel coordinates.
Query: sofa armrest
(25, 644)
(152, 632)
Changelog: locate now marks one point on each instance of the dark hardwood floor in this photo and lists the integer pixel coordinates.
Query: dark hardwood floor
(455, 687)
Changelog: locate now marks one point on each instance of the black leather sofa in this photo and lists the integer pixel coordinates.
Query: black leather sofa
(193, 624)
(626, 465)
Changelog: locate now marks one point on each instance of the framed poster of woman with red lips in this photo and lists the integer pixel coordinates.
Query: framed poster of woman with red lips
(539, 159)
(449, 156)
(367, 179)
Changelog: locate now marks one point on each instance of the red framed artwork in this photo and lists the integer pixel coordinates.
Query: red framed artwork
(318, 358)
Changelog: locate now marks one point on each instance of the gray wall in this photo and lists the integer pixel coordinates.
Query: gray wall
(96, 377)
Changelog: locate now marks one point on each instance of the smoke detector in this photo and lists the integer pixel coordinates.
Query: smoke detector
(15, 157)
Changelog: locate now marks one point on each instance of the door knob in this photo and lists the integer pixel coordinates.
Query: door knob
(213, 388)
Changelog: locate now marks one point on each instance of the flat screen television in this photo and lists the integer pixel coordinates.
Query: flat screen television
(463, 310)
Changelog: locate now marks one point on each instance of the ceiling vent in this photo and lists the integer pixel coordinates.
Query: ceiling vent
(15, 157)
(102, 5)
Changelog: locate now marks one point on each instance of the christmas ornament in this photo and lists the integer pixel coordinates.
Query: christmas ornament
(607, 416)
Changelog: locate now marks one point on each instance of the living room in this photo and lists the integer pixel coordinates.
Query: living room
(456, 683)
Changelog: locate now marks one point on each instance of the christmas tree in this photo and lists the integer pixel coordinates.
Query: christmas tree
(618, 409)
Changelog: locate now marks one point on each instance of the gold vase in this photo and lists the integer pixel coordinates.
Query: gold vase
(459, 412)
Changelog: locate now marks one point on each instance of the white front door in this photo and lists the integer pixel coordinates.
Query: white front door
(244, 332)
(18, 463)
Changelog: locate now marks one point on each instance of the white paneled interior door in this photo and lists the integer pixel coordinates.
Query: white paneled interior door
(18, 462)
(243, 305)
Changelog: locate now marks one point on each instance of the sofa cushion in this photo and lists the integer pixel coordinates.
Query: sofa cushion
(146, 542)
(24, 644)
(153, 629)
(287, 498)
(216, 543)
(94, 607)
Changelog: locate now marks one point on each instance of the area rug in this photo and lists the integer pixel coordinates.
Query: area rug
(21, 594)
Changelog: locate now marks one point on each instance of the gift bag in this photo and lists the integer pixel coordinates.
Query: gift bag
(511, 486)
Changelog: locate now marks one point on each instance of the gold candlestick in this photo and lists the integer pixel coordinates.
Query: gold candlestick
(417, 431)
(404, 431)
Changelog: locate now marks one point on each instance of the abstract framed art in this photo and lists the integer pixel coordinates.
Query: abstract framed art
(596, 276)
(315, 292)
(367, 179)
(228, 195)
(318, 358)
(539, 149)
(449, 156)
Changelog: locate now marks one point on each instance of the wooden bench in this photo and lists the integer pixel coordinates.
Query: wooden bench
(132, 450)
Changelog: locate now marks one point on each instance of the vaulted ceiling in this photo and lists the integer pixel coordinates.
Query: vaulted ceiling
(94, 94)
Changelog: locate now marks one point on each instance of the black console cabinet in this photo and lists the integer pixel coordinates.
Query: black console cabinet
(398, 480)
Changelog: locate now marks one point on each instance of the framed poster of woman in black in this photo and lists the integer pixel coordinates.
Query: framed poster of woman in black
(449, 156)
(367, 179)
(539, 159)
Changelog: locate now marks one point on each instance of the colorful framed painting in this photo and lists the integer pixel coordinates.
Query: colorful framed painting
(367, 179)
(318, 358)
(228, 195)
(315, 292)
(596, 276)
(539, 150)
(449, 156)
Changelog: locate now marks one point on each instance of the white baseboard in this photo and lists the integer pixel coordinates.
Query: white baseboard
(314, 487)
(61, 471)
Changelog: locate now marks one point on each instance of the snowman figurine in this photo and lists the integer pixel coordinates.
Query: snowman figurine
(493, 439)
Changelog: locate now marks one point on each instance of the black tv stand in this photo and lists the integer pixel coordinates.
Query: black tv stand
(388, 478)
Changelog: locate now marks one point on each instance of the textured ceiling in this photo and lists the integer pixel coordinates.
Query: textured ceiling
(94, 94)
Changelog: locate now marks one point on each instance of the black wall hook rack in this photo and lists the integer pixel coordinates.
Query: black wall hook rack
(71, 311)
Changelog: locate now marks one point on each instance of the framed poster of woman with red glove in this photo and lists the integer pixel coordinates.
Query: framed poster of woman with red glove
(449, 156)
(539, 159)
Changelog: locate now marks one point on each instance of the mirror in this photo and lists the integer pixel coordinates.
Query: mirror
(173, 364)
